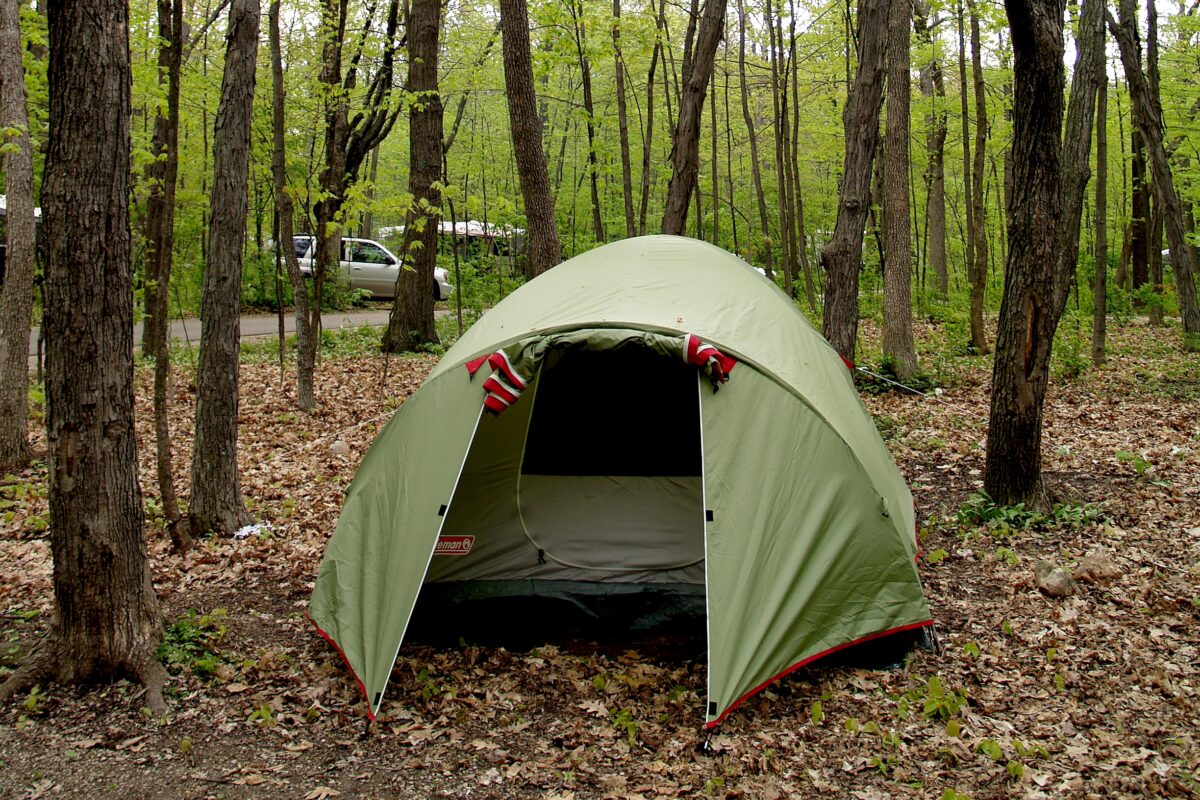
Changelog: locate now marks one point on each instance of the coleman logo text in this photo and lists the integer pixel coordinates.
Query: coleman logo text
(453, 545)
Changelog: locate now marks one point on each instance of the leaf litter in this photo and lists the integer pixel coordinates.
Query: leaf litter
(1090, 695)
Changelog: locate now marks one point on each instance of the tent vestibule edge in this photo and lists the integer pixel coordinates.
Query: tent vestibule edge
(373, 708)
(912, 626)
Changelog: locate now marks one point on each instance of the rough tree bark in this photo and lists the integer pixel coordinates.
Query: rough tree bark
(285, 213)
(544, 248)
(216, 496)
(933, 87)
(978, 268)
(410, 324)
(685, 148)
(106, 623)
(1025, 331)
(1149, 123)
(1100, 287)
(898, 346)
(1077, 139)
(623, 122)
(755, 167)
(842, 257)
(16, 296)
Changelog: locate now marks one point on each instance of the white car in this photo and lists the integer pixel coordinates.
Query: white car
(367, 265)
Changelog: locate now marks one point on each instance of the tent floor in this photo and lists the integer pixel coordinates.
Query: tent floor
(659, 620)
(662, 622)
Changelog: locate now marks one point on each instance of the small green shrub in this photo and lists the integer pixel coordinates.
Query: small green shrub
(980, 510)
(190, 643)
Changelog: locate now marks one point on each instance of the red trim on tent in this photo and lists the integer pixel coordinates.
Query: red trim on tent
(328, 638)
(809, 660)
(849, 364)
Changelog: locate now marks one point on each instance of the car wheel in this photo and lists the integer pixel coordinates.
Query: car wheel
(437, 294)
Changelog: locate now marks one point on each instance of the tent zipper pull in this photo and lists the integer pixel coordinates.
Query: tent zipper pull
(541, 556)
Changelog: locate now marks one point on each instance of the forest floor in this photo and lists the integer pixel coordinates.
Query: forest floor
(1092, 695)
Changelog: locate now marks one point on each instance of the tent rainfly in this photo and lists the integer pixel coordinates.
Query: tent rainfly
(574, 439)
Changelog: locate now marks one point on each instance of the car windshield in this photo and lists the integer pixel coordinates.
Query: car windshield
(301, 244)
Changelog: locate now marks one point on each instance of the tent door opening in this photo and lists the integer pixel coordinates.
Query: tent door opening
(611, 474)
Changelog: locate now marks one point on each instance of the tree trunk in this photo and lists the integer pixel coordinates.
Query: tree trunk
(367, 229)
(800, 239)
(348, 141)
(842, 257)
(411, 324)
(685, 150)
(1154, 251)
(1077, 138)
(16, 293)
(898, 347)
(305, 349)
(163, 173)
(216, 497)
(1025, 332)
(623, 123)
(782, 189)
(544, 248)
(733, 210)
(968, 193)
(585, 71)
(933, 86)
(1149, 123)
(1154, 254)
(755, 167)
(716, 194)
(106, 623)
(1122, 276)
(1100, 288)
(979, 247)
(1139, 224)
(337, 135)
(648, 137)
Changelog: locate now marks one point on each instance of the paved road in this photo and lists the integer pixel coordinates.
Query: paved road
(258, 325)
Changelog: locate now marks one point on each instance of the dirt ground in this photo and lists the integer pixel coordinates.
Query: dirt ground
(1091, 695)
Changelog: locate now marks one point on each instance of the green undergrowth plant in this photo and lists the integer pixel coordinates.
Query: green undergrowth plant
(933, 700)
(980, 510)
(190, 643)
(881, 378)
(1072, 356)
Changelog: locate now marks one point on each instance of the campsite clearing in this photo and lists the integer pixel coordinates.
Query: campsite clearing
(1096, 694)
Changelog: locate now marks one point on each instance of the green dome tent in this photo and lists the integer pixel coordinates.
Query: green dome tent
(617, 463)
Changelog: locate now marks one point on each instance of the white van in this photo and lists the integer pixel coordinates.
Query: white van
(367, 265)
